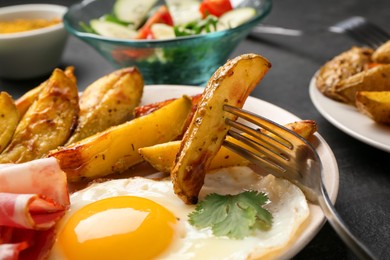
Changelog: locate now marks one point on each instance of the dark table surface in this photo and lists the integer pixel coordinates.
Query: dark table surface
(364, 193)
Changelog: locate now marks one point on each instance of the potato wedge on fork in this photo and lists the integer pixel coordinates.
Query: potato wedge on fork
(231, 84)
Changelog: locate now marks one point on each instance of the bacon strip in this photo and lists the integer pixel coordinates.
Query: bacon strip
(33, 197)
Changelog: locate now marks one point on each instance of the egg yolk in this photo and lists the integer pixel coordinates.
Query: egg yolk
(124, 227)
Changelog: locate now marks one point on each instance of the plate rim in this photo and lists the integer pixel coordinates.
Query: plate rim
(316, 219)
(322, 103)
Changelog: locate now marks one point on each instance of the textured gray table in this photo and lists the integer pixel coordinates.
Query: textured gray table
(364, 194)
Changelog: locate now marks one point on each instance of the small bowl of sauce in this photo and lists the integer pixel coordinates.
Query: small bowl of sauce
(22, 25)
(32, 40)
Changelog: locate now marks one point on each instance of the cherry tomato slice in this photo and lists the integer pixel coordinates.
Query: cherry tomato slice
(215, 7)
(162, 15)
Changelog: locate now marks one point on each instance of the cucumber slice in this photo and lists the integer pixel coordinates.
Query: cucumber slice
(133, 11)
(162, 31)
(235, 18)
(113, 30)
(184, 11)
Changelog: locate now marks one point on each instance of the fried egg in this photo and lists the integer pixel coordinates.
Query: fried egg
(141, 218)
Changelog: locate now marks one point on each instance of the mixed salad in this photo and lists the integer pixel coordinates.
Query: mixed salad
(147, 19)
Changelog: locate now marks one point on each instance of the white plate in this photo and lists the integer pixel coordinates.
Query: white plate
(155, 93)
(350, 121)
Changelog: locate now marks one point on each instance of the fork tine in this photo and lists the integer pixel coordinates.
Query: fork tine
(267, 152)
(277, 147)
(284, 156)
(362, 31)
(380, 35)
(368, 32)
(266, 163)
(289, 137)
(278, 144)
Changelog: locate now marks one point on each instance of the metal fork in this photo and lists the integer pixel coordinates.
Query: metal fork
(284, 153)
(362, 31)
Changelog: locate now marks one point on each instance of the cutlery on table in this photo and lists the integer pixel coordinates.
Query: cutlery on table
(362, 31)
(284, 153)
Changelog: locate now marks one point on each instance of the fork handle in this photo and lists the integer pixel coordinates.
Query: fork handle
(360, 250)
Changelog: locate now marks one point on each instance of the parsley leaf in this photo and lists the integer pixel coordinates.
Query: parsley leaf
(235, 216)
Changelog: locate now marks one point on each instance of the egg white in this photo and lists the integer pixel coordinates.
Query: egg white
(288, 206)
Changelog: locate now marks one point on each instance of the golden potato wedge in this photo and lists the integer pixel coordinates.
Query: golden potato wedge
(375, 104)
(48, 122)
(116, 149)
(304, 128)
(343, 66)
(149, 108)
(231, 84)
(374, 79)
(108, 101)
(162, 156)
(25, 101)
(9, 119)
(382, 54)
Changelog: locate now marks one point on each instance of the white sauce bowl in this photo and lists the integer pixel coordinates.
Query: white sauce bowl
(31, 53)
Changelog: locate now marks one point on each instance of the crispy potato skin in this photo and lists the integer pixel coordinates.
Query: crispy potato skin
(162, 156)
(231, 84)
(149, 108)
(108, 101)
(9, 119)
(374, 79)
(382, 54)
(375, 104)
(116, 149)
(305, 128)
(47, 123)
(341, 67)
(25, 101)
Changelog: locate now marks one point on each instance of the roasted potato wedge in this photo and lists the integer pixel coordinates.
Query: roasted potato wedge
(382, 54)
(231, 84)
(374, 79)
(375, 104)
(48, 122)
(9, 119)
(25, 101)
(149, 108)
(108, 101)
(341, 67)
(116, 149)
(162, 156)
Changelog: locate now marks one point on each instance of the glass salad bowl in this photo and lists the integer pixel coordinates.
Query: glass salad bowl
(189, 60)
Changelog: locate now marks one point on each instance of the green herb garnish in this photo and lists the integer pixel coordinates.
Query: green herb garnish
(86, 27)
(208, 24)
(235, 216)
(112, 18)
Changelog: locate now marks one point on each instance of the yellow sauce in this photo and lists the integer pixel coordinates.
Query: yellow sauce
(22, 25)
